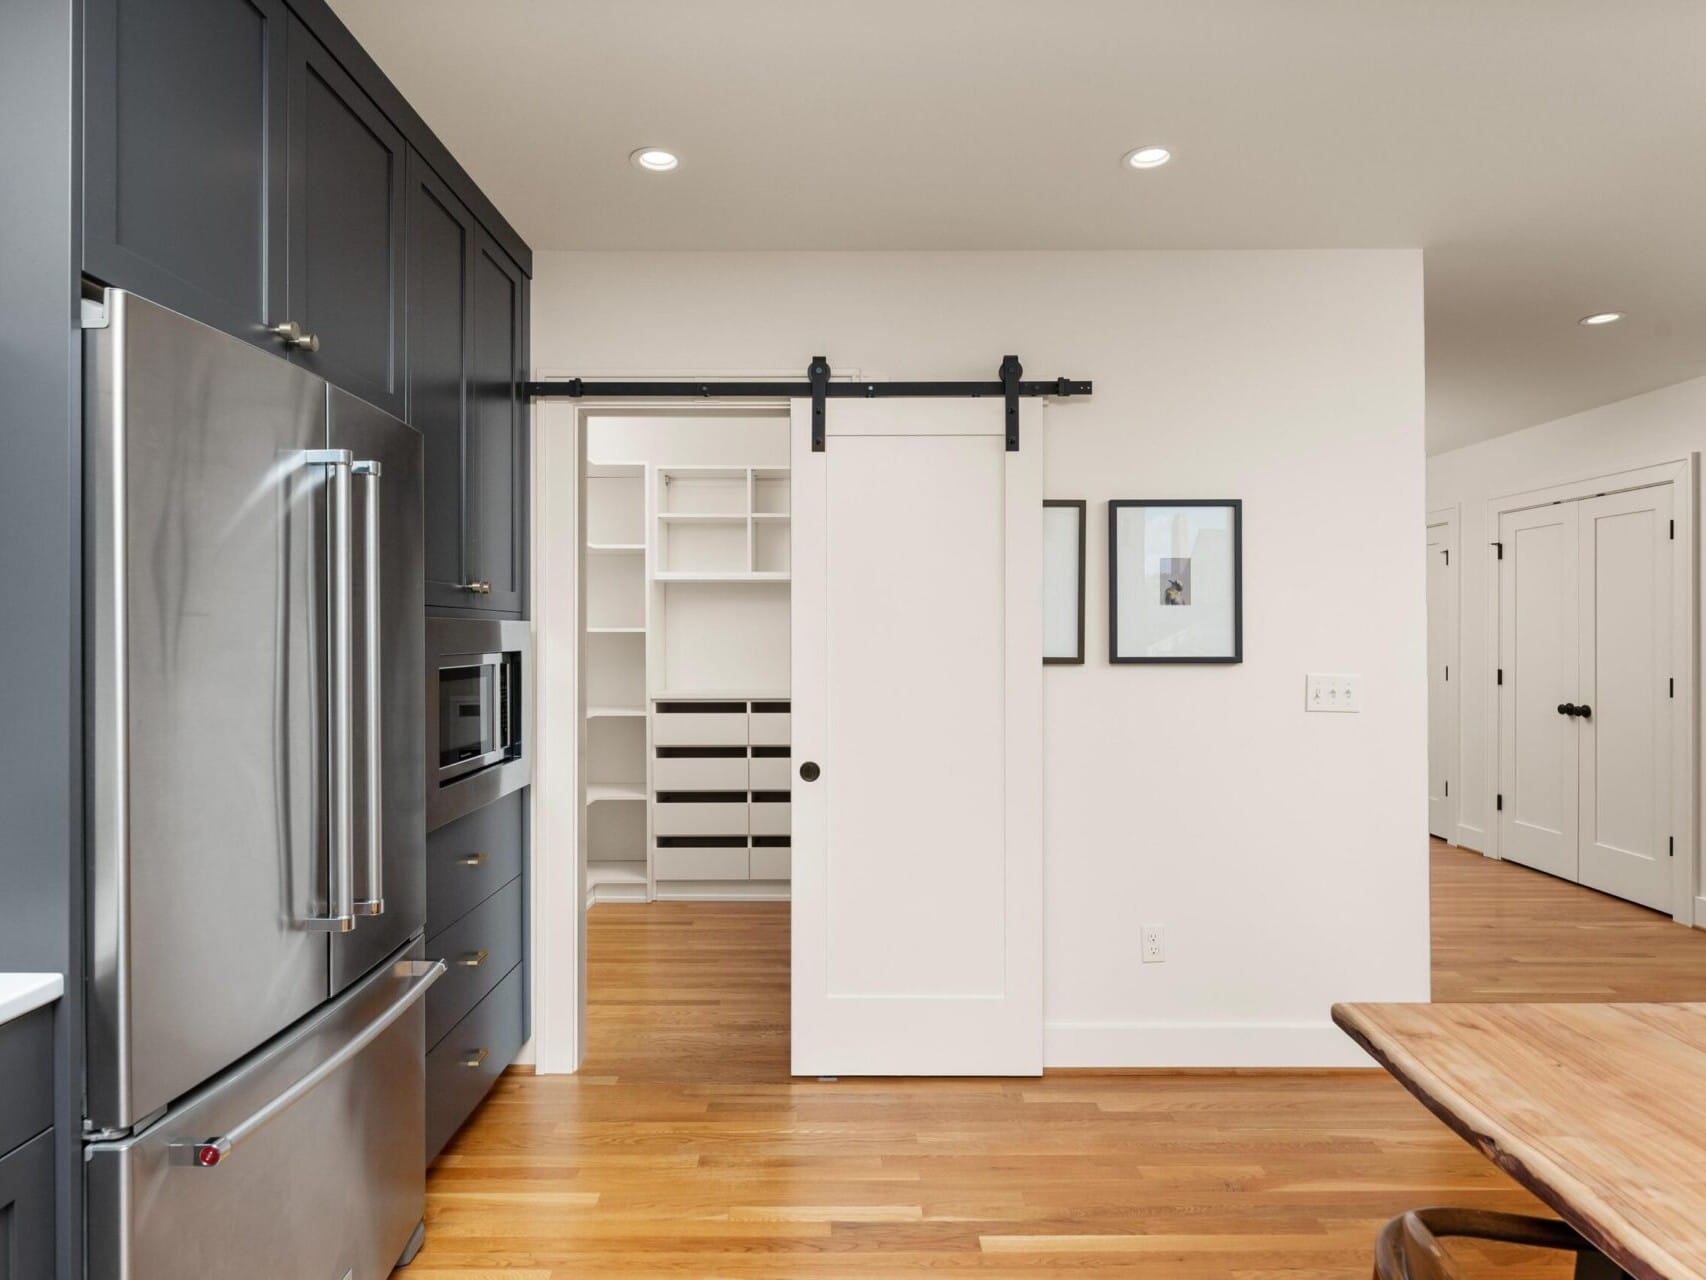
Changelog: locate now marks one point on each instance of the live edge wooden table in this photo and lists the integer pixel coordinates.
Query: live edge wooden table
(1598, 1109)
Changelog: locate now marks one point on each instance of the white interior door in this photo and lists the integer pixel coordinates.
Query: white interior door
(917, 691)
(1442, 701)
(1538, 626)
(1625, 739)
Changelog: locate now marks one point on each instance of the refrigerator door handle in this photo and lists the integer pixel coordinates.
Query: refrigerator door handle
(212, 1152)
(340, 773)
(373, 904)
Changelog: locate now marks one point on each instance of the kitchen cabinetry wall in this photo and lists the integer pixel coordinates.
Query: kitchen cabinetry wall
(248, 165)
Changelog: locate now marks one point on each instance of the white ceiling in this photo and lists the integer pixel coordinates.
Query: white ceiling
(1549, 155)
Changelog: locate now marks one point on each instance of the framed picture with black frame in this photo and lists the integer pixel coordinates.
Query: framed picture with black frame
(1175, 580)
(1064, 542)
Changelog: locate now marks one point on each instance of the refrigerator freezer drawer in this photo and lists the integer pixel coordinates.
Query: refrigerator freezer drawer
(303, 1161)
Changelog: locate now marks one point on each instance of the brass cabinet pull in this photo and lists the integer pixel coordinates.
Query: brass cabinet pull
(472, 860)
(473, 960)
(476, 1058)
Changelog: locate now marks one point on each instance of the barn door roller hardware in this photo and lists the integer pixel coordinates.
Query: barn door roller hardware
(1010, 387)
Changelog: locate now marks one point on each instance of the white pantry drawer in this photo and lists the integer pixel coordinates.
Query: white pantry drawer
(772, 773)
(693, 818)
(699, 864)
(770, 817)
(772, 864)
(699, 729)
(770, 729)
(699, 773)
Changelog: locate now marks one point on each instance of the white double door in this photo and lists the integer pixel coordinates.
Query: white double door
(1586, 709)
(1442, 700)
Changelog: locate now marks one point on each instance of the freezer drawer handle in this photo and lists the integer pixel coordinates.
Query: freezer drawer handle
(372, 712)
(340, 736)
(211, 1152)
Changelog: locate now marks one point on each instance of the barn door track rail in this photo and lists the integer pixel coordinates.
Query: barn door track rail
(1010, 387)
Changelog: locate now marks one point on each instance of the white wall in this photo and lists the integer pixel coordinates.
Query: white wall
(1283, 853)
(1663, 426)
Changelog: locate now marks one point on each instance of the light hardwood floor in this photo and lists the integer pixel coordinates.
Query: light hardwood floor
(684, 1149)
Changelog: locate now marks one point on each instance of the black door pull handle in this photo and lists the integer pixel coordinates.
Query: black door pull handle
(809, 771)
(1585, 711)
(1566, 709)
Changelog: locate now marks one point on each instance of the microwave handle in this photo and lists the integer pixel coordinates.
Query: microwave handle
(340, 844)
(373, 904)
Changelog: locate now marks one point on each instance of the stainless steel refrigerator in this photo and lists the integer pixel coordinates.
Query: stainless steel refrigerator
(255, 647)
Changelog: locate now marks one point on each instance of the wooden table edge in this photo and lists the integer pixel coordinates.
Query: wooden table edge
(1431, 1092)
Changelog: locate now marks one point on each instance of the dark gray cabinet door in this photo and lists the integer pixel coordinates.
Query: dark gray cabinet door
(26, 1211)
(184, 180)
(497, 444)
(346, 219)
(440, 342)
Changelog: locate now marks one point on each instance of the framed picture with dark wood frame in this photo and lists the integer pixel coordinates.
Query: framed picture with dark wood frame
(1175, 580)
(1064, 542)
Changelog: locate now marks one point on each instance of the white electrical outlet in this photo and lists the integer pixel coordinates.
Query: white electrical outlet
(1154, 944)
(1332, 693)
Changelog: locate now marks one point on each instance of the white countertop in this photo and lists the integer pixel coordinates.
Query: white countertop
(21, 992)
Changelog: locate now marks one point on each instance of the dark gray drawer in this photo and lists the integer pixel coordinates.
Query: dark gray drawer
(472, 858)
(477, 951)
(26, 1066)
(26, 1211)
(468, 1061)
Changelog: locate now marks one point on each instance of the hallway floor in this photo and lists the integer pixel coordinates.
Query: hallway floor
(684, 1148)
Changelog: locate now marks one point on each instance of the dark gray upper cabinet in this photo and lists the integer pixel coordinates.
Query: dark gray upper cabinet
(346, 220)
(496, 483)
(184, 198)
(440, 340)
(246, 164)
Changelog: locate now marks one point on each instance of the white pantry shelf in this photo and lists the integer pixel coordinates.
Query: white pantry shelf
(600, 713)
(717, 576)
(596, 792)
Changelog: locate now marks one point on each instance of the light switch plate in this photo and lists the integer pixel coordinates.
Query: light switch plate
(1332, 693)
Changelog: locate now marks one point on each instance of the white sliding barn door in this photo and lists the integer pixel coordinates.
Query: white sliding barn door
(917, 690)
(1625, 741)
(1538, 625)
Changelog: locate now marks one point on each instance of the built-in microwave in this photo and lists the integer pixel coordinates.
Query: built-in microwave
(477, 713)
(477, 704)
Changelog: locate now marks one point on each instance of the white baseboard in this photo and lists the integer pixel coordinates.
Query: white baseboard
(1470, 837)
(1199, 1044)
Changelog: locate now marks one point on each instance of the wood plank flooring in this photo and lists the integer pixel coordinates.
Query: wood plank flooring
(684, 1149)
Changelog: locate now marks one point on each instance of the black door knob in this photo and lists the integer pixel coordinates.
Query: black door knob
(809, 771)
(1566, 708)
(1585, 711)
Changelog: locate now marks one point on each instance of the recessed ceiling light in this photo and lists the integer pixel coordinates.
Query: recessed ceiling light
(655, 159)
(1601, 317)
(1148, 157)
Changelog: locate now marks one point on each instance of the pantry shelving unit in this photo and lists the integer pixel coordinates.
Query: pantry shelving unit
(616, 684)
(687, 630)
